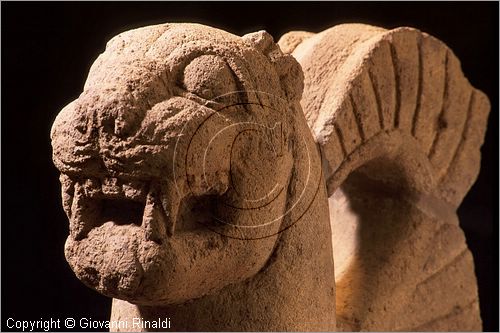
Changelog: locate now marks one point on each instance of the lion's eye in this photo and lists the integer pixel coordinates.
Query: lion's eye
(209, 77)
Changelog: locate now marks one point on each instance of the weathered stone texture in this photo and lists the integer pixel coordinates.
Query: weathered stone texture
(195, 190)
(400, 129)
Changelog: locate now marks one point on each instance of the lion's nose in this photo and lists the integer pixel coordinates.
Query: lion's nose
(123, 121)
(120, 126)
(116, 111)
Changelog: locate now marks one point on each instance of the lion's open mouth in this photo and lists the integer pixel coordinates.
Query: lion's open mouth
(98, 201)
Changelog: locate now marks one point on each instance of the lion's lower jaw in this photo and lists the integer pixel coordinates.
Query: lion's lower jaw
(117, 261)
(109, 259)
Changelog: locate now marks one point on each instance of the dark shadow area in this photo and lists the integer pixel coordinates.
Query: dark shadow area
(122, 211)
(380, 219)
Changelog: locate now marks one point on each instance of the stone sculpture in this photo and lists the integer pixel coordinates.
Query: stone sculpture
(196, 192)
(400, 127)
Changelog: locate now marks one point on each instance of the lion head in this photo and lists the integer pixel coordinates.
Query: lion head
(177, 161)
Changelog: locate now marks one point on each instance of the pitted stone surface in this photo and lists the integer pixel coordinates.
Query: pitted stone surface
(191, 180)
(196, 192)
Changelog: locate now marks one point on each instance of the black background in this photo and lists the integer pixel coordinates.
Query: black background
(47, 50)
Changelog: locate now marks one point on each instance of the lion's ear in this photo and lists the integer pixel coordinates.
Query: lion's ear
(261, 40)
(287, 68)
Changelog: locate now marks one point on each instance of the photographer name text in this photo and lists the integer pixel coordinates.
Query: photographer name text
(86, 323)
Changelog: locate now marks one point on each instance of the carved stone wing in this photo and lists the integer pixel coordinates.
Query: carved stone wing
(400, 130)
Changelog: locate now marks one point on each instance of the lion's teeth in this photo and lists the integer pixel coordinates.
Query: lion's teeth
(153, 220)
(135, 190)
(92, 187)
(170, 201)
(111, 187)
(84, 213)
(67, 191)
